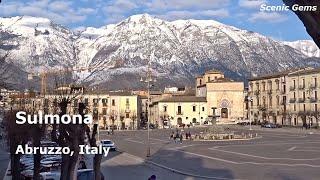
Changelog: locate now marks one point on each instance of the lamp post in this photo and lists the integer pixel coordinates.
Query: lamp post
(148, 80)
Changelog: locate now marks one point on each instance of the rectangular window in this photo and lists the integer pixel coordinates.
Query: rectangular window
(164, 108)
(194, 108)
(316, 107)
(179, 110)
(202, 108)
(294, 84)
(270, 101)
(127, 115)
(127, 101)
(316, 95)
(315, 82)
(104, 102)
(113, 102)
(304, 107)
(304, 95)
(294, 95)
(303, 83)
(294, 107)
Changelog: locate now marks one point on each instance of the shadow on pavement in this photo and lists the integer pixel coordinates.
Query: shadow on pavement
(121, 166)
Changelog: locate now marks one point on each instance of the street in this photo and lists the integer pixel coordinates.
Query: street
(275, 154)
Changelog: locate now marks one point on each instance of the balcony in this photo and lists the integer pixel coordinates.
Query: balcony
(283, 91)
(269, 91)
(292, 88)
(179, 113)
(256, 92)
(301, 87)
(104, 104)
(293, 100)
(95, 104)
(127, 110)
(313, 100)
(313, 86)
(301, 100)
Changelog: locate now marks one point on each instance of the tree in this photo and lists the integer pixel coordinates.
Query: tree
(17, 135)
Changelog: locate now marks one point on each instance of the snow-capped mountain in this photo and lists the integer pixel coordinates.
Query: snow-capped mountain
(177, 50)
(307, 47)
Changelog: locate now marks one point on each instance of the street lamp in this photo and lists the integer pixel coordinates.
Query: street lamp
(148, 80)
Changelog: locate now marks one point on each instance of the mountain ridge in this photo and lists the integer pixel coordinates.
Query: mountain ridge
(178, 50)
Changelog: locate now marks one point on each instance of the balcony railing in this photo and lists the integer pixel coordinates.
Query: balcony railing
(179, 113)
(256, 92)
(301, 100)
(293, 100)
(313, 100)
(127, 110)
(269, 91)
(283, 91)
(301, 87)
(292, 88)
(313, 86)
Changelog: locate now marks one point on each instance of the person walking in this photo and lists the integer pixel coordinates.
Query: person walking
(181, 138)
(171, 135)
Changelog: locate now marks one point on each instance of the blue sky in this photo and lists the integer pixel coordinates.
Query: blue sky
(244, 14)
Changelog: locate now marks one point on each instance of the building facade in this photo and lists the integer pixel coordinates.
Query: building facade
(118, 110)
(286, 98)
(216, 100)
(225, 97)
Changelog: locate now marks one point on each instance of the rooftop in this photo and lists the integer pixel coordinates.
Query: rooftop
(184, 99)
(280, 74)
(213, 71)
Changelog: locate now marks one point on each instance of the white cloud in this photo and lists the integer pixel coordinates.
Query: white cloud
(59, 6)
(120, 7)
(86, 10)
(8, 8)
(174, 15)
(252, 4)
(272, 17)
(59, 11)
(156, 5)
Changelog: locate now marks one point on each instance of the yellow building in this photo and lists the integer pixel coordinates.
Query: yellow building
(303, 102)
(286, 98)
(120, 110)
(178, 110)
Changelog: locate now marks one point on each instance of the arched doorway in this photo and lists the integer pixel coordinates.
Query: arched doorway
(194, 120)
(224, 112)
(179, 121)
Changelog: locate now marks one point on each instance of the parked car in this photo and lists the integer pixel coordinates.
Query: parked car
(108, 143)
(269, 125)
(82, 174)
